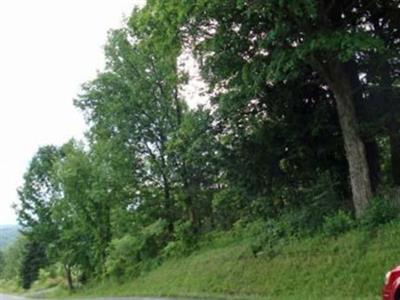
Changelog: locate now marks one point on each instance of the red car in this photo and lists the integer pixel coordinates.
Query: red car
(391, 290)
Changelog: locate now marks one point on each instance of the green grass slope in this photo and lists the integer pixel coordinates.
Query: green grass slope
(351, 266)
(8, 234)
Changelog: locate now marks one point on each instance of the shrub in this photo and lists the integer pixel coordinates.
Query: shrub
(130, 255)
(338, 223)
(227, 205)
(380, 211)
(123, 256)
(185, 240)
(258, 234)
(265, 235)
(321, 199)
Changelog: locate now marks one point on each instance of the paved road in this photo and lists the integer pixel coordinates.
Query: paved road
(7, 297)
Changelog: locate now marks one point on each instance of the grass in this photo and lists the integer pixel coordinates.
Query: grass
(351, 266)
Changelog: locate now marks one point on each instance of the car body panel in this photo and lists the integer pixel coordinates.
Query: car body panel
(392, 284)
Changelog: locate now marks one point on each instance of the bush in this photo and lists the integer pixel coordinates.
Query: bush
(173, 249)
(131, 255)
(264, 236)
(258, 234)
(227, 205)
(338, 223)
(186, 240)
(123, 256)
(380, 211)
(48, 279)
(320, 199)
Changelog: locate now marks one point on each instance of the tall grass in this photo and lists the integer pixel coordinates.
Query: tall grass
(350, 266)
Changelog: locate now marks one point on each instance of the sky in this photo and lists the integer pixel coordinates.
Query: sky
(47, 50)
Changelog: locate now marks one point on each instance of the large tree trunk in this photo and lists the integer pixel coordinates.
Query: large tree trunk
(355, 152)
(340, 84)
(366, 113)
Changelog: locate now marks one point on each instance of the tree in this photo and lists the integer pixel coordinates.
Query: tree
(83, 213)
(194, 147)
(13, 257)
(37, 196)
(136, 102)
(382, 70)
(33, 260)
(278, 38)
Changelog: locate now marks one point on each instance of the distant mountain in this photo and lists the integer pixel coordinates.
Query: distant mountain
(8, 234)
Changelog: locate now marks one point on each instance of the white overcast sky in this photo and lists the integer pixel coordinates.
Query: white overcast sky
(48, 48)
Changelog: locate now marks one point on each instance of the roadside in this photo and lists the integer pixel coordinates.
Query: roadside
(348, 266)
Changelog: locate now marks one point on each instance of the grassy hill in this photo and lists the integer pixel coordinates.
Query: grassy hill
(8, 234)
(350, 266)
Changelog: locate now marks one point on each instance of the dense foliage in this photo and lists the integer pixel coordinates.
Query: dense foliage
(301, 131)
